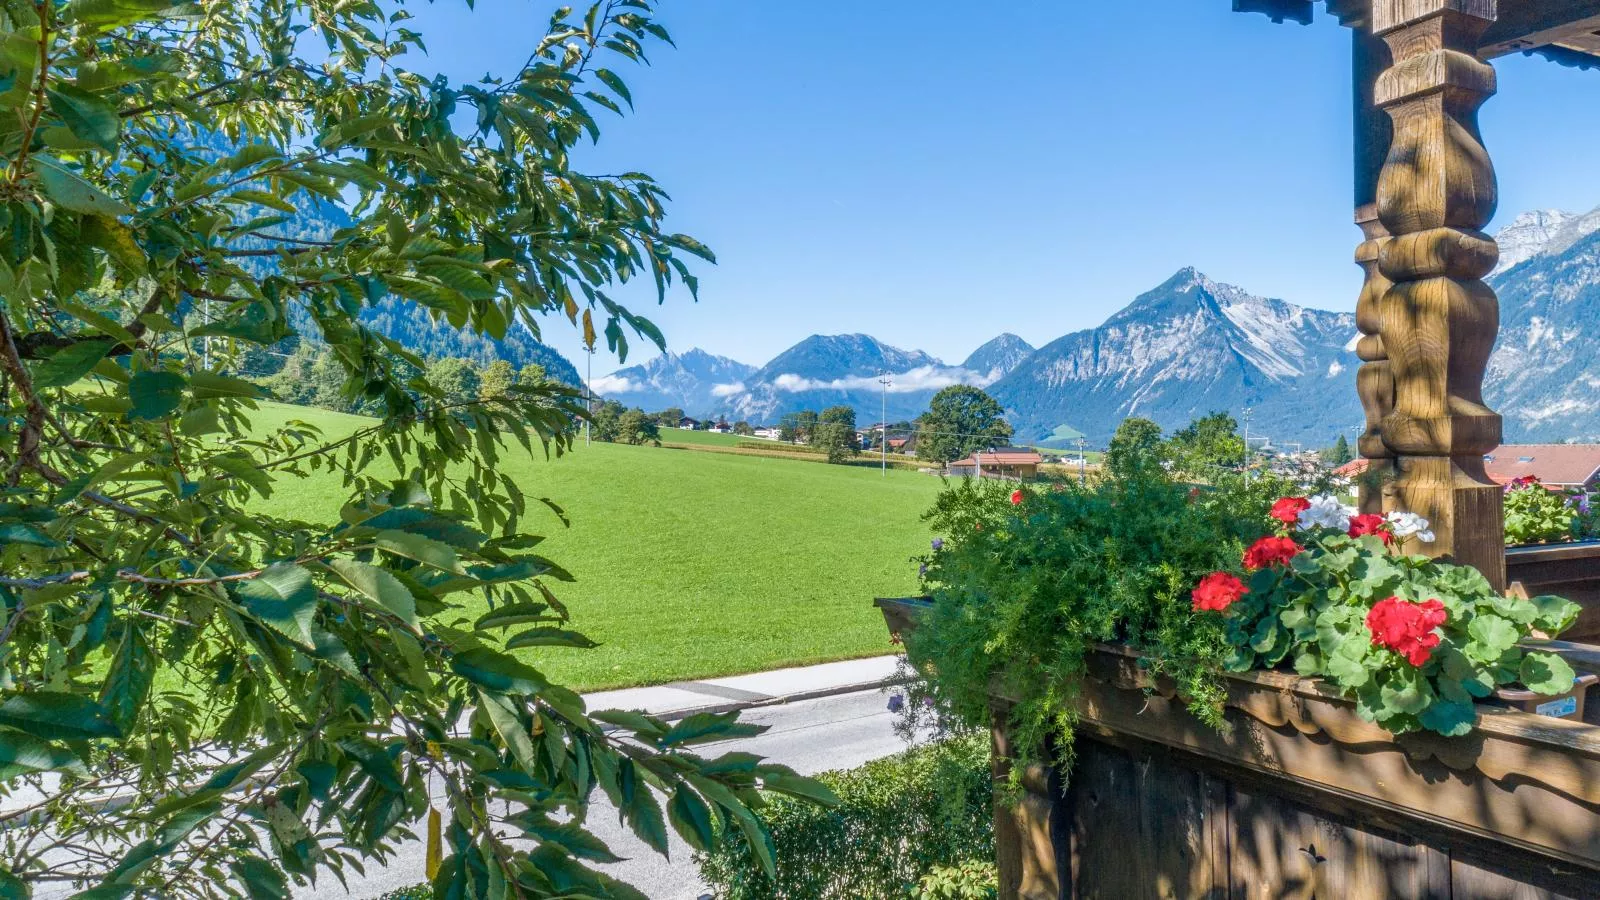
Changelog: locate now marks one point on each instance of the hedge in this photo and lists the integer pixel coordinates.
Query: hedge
(900, 819)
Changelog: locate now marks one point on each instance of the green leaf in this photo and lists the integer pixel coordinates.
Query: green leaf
(245, 469)
(284, 599)
(1448, 717)
(70, 363)
(107, 14)
(570, 837)
(498, 672)
(12, 887)
(380, 586)
(68, 190)
(799, 786)
(691, 818)
(155, 395)
(1545, 673)
(515, 614)
(21, 533)
(22, 754)
(424, 550)
(517, 737)
(56, 715)
(644, 815)
(1554, 614)
(128, 680)
(261, 879)
(1493, 634)
(86, 115)
(702, 727)
(1405, 691)
(550, 637)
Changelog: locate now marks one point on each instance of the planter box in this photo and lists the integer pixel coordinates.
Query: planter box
(1299, 798)
(1566, 570)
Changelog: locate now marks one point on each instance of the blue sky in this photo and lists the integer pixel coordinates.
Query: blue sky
(933, 173)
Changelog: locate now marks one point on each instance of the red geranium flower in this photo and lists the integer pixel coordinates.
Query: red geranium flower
(1217, 591)
(1406, 628)
(1287, 510)
(1016, 496)
(1271, 551)
(1371, 523)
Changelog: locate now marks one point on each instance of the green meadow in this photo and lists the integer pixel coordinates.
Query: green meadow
(692, 564)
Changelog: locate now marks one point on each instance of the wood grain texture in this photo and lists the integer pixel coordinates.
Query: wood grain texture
(1435, 320)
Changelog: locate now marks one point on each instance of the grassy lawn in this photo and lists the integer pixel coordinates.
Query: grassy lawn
(692, 565)
(710, 438)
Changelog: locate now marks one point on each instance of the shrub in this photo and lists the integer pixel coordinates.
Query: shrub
(1022, 591)
(899, 820)
(971, 880)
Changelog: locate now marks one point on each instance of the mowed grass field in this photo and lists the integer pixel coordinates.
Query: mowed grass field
(692, 565)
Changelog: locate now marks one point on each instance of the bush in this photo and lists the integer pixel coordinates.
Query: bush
(899, 821)
(971, 880)
(1535, 515)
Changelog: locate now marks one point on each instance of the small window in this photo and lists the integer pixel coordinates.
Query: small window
(1525, 459)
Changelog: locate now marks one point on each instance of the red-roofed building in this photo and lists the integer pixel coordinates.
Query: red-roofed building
(1557, 466)
(1000, 462)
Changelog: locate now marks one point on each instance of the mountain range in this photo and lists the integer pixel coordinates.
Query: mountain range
(1187, 347)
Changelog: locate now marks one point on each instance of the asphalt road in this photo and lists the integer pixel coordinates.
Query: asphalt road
(810, 735)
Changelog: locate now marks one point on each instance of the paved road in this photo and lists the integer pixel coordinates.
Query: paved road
(810, 735)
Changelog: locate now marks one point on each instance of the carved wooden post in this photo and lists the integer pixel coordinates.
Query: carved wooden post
(1438, 320)
(1025, 842)
(1374, 381)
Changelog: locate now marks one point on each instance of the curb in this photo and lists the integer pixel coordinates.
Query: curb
(782, 699)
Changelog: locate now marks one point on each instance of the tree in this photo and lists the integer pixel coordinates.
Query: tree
(1136, 448)
(532, 374)
(797, 427)
(203, 691)
(669, 417)
(960, 419)
(1207, 445)
(453, 378)
(496, 380)
(634, 427)
(836, 433)
(607, 421)
(1338, 454)
(743, 427)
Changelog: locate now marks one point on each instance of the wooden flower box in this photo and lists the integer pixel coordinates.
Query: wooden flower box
(1299, 798)
(1566, 570)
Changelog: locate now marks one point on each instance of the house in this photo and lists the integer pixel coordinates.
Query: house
(1557, 466)
(998, 462)
(898, 445)
(770, 434)
(688, 424)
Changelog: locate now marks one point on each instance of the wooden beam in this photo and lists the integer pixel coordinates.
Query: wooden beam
(1527, 24)
(1437, 318)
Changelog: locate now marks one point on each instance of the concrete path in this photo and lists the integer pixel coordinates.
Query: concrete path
(830, 716)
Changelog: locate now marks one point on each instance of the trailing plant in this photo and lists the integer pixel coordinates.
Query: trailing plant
(208, 701)
(1413, 641)
(899, 821)
(1535, 515)
(1026, 581)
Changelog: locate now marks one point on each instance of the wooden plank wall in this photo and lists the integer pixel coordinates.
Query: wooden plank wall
(1142, 821)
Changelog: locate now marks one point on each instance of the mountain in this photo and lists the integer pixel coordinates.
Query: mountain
(1545, 369)
(1542, 232)
(411, 324)
(999, 357)
(696, 382)
(827, 370)
(1187, 348)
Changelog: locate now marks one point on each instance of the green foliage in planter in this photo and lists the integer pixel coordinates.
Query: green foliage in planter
(1535, 515)
(1414, 642)
(898, 821)
(1023, 591)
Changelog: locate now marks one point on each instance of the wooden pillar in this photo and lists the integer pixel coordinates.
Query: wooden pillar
(1374, 381)
(1438, 320)
(1025, 842)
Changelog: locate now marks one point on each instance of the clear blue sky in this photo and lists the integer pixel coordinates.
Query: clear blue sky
(933, 173)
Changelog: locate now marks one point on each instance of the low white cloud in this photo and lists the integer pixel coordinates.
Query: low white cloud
(613, 384)
(922, 378)
(727, 390)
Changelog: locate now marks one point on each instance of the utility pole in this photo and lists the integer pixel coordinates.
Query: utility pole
(1082, 464)
(588, 395)
(1247, 445)
(885, 379)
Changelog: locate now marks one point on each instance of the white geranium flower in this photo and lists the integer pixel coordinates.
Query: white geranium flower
(1407, 525)
(1326, 512)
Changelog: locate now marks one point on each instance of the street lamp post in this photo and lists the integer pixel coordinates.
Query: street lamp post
(885, 379)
